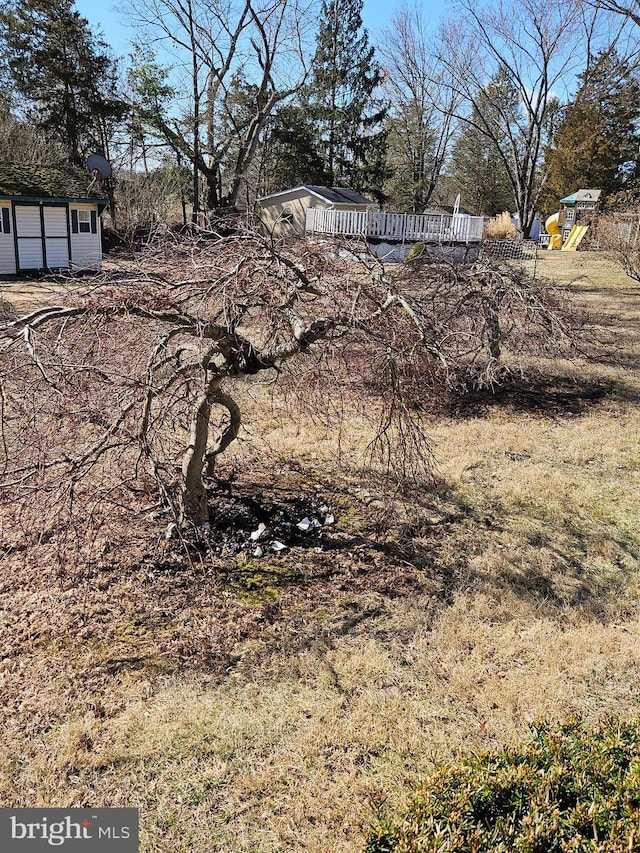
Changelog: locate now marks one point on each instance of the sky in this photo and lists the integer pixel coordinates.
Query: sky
(102, 15)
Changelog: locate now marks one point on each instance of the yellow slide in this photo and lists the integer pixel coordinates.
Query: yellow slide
(553, 228)
(575, 235)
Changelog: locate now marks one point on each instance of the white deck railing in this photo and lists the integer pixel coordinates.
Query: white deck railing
(411, 227)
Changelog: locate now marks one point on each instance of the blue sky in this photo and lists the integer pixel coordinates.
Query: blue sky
(103, 16)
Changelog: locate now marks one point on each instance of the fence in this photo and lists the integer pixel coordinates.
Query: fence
(523, 253)
(402, 227)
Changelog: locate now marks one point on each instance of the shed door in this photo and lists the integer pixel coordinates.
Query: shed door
(56, 240)
(29, 237)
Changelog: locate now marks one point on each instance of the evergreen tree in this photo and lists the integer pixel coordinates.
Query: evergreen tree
(64, 78)
(411, 146)
(478, 159)
(480, 176)
(149, 93)
(237, 63)
(289, 156)
(597, 142)
(341, 99)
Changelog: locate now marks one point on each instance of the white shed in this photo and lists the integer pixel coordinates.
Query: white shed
(284, 213)
(47, 220)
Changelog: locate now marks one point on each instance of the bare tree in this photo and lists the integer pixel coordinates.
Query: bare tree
(533, 49)
(150, 202)
(630, 9)
(618, 234)
(131, 388)
(423, 106)
(234, 62)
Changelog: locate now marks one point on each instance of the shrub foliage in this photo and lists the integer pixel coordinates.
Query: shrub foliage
(567, 788)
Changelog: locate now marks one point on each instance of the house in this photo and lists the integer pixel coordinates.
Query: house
(285, 213)
(48, 219)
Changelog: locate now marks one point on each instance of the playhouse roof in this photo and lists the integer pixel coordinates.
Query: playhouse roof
(582, 195)
(36, 181)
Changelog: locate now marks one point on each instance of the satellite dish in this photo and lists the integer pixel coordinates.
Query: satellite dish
(98, 167)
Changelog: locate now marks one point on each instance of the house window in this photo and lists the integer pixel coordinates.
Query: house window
(84, 221)
(5, 227)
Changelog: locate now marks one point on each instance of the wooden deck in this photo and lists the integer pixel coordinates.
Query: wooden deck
(400, 227)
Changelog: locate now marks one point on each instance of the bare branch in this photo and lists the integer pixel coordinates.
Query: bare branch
(137, 379)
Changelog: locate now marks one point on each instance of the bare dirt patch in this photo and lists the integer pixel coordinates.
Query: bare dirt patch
(18, 295)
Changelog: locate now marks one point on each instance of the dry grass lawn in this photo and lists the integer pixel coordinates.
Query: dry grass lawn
(273, 707)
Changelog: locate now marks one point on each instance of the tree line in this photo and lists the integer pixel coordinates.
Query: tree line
(511, 104)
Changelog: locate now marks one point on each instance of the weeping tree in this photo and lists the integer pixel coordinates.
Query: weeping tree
(129, 390)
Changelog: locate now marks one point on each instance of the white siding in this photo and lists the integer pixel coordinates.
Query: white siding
(86, 249)
(57, 253)
(286, 214)
(55, 221)
(7, 248)
(7, 255)
(56, 240)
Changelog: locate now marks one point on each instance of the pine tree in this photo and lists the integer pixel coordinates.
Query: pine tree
(480, 176)
(64, 78)
(411, 151)
(477, 163)
(289, 156)
(483, 144)
(342, 99)
(597, 142)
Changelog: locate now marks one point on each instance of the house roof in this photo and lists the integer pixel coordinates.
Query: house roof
(340, 195)
(582, 195)
(36, 181)
(335, 195)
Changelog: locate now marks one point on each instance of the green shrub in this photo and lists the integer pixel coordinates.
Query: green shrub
(568, 788)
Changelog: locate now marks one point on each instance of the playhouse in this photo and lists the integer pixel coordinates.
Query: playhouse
(569, 225)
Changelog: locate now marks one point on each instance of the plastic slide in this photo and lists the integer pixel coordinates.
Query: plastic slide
(575, 236)
(553, 228)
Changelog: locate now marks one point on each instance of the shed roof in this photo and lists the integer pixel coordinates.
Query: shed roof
(582, 195)
(36, 181)
(335, 195)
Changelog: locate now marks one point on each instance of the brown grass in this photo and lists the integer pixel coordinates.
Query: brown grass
(268, 707)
